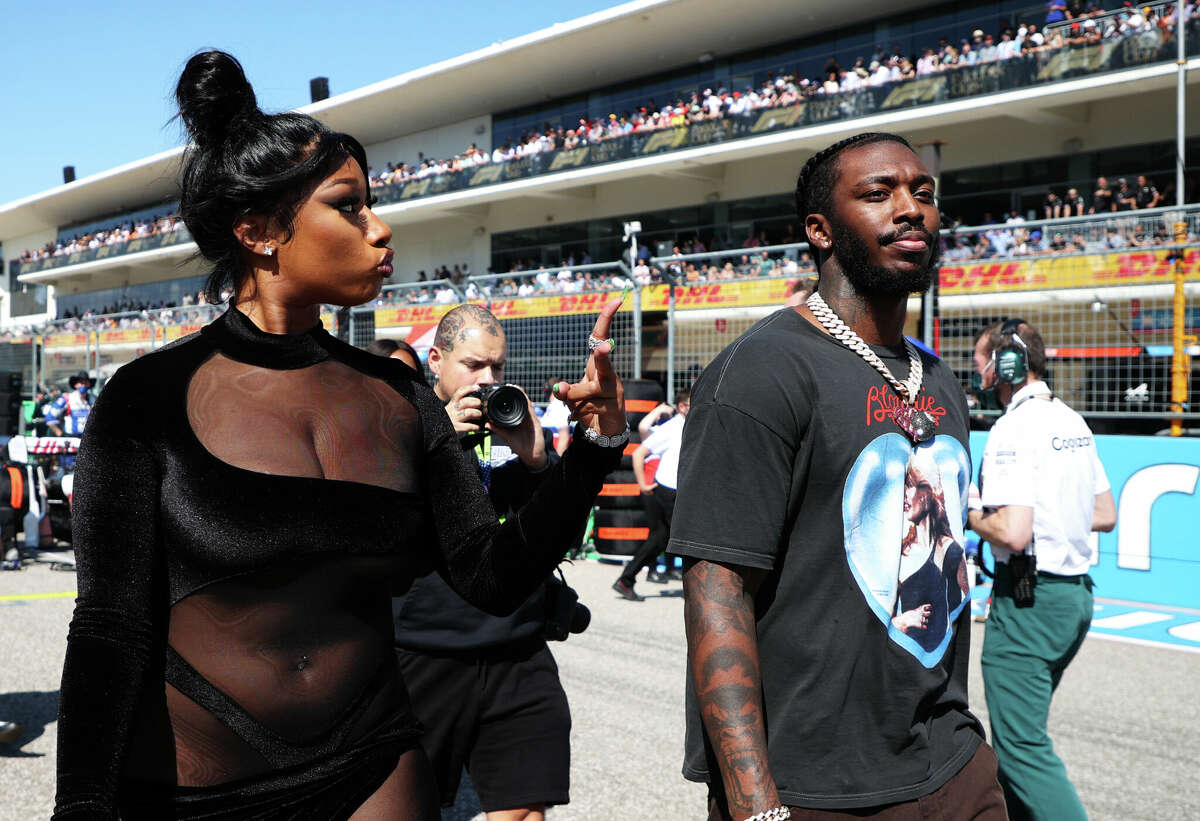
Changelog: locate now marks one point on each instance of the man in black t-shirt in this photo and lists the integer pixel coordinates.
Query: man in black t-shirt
(821, 507)
(1125, 196)
(1052, 206)
(1102, 198)
(1073, 205)
(1147, 195)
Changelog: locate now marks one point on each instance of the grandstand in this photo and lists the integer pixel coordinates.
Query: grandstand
(509, 175)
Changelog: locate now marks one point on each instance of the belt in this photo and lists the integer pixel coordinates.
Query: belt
(1045, 576)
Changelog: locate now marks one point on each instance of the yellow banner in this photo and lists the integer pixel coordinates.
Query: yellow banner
(53, 340)
(116, 336)
(654, 298)
(718, 295)
(179, 331)
(1044, 273)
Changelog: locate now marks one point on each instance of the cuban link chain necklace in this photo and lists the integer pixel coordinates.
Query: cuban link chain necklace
(916, 423)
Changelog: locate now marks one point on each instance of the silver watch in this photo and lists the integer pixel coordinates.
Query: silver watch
(607, 441)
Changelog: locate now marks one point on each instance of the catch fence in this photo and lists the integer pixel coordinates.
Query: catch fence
(1100, 289)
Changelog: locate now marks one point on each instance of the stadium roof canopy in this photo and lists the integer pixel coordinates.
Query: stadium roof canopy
(628, 41)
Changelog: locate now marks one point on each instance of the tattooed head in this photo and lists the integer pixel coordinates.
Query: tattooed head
(469, 349)
(453, 328)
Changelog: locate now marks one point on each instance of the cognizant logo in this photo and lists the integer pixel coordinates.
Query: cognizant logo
(1070, 442)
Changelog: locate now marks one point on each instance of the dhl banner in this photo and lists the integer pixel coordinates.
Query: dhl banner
(654, 298)
(1044, 273)
(116, 336)
(179, 331)
(66, 340)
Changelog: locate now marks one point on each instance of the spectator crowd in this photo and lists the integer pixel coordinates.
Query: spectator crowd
(117, 235)
(1067, 27)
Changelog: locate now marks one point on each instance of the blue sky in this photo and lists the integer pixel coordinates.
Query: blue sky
(88, 84)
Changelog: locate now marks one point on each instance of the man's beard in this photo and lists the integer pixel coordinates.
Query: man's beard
(876, 281)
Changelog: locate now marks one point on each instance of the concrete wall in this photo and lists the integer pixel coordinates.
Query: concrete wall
(438, 143)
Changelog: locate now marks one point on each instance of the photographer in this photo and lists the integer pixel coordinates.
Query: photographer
(486, 688)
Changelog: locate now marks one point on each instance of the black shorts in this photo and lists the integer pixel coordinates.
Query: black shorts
(502, 715)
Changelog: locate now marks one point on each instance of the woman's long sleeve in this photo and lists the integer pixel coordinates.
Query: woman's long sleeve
(497, 566)
(121, 609)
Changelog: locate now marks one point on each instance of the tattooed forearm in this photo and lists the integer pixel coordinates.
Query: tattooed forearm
(723, 663)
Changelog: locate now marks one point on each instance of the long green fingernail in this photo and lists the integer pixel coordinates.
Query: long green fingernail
(559, 387)
(624, 292)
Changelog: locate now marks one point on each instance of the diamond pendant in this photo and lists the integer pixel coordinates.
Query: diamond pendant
(917, 424)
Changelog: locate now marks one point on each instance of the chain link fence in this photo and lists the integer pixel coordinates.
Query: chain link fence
(547, 316)
(1100, 289)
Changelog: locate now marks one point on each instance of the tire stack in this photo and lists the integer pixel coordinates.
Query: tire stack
(14, 504)
(621, 524)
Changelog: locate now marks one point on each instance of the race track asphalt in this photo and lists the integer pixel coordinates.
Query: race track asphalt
(1125, 720)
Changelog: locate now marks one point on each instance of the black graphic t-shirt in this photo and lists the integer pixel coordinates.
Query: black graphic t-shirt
(791, 462)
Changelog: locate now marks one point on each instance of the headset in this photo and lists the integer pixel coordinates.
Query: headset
(1011, 361)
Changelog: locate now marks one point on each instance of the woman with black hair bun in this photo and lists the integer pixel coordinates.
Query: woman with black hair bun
(248, 498)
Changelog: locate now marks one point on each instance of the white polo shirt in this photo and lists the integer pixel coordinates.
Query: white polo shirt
(664, 442)
(1041, 454)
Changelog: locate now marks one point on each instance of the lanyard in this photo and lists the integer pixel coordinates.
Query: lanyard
(483, 452)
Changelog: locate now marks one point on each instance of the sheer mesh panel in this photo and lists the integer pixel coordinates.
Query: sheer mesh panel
(300, 648)
(324, 421)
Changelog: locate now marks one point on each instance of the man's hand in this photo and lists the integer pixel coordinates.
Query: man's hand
(526, 440)
(465, 412)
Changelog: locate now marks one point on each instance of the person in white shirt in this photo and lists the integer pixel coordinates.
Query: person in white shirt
(658, 497)
(1043, 492)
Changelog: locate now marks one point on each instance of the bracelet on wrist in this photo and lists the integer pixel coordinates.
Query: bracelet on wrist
(604, 441)
(779, 813)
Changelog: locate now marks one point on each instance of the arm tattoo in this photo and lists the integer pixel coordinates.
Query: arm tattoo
(723, 662)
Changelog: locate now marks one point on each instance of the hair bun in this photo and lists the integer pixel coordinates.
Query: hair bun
(213, 93)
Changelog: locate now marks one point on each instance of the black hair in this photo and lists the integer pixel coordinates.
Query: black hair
(243, 161)
(814, 186)
(383, 347)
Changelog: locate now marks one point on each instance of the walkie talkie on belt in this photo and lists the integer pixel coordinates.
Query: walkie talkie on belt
(1023, 569)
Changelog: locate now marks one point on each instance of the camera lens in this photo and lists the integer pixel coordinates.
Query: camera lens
(581, 617)
(506, 406)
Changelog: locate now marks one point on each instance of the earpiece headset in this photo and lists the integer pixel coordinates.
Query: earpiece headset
(1011, 361)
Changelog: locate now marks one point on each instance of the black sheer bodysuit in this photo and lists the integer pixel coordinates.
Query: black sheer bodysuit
(245, 506)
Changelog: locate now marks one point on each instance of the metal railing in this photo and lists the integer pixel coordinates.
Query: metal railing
(1027, 69)
(1024, 70)
(1106, 313)
(132, 246)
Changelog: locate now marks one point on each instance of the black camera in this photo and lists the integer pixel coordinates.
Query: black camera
(564, 613)
(505, 406)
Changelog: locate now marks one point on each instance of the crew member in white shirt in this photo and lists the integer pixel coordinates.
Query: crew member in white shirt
(1043, 493)
(658, 497)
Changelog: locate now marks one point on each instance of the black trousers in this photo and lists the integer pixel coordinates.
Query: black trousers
(660, 506)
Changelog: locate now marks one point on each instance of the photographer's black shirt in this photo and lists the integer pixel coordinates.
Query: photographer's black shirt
(431, 617)
(792, 463)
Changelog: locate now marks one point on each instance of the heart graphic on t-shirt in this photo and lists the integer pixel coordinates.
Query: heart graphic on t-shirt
(903, 511)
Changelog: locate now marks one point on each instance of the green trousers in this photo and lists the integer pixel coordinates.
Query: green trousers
(1025, 651)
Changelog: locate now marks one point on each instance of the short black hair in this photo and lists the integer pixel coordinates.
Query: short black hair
(243, 161)
(383, 347)
(814, 186)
